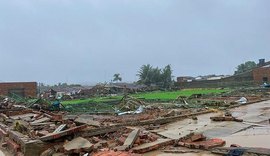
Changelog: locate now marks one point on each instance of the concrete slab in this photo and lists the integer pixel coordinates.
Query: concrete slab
(90, 121)
(256, 112)
(253, 137)
(225, 130)
(77, 143)
(132, 138)
(184, 127)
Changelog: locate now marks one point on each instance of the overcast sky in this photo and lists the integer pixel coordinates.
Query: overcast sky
(87, 41)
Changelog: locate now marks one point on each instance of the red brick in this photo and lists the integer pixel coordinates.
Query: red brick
(30, 88)
(121, 140)
(208, 144)
(153, 145)
(260, 73)
(192, 137)
(3, 133)
(13, 146)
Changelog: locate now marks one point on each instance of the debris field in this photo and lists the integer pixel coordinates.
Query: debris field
(187, 125)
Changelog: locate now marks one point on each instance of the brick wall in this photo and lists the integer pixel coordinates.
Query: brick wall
(260, 73)
(244, 79)
(250, 78)
(30, 88)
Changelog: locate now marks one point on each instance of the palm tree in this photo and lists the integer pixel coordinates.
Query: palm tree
(116, 77)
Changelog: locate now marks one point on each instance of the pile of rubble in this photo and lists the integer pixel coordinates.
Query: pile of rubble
(27, 132)
(227, 117)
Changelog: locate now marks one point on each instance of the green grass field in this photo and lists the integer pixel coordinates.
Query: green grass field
(92, 100)
(162, 95)
(158, 95)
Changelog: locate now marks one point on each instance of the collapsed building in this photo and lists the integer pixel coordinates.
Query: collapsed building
(30, 132)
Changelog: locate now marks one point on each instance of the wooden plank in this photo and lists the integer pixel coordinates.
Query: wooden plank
(60, 128)
(40, 120)
(16, 117)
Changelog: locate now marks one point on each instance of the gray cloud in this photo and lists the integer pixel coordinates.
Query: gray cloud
(88, 41)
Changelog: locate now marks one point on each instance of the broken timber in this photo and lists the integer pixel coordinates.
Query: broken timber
(40, 120)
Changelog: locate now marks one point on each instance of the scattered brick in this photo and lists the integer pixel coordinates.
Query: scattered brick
(13, 146)
(208, 144)
(153, 145)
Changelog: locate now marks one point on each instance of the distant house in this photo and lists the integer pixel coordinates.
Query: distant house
(198, 78)
(214, 78)
(49, 94)
(253, 77)
(185, 79)
(68, 91)
(86, 92)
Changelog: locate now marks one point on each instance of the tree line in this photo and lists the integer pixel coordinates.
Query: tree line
(161, 77)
